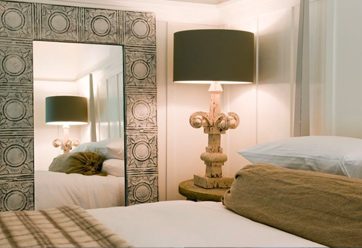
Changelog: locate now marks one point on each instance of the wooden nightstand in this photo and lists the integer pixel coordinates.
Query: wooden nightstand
(195, 193)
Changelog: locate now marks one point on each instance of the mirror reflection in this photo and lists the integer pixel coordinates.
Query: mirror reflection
(78, 125)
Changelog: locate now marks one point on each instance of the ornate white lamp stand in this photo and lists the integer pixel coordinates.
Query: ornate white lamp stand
(65, 144)
(214, 123)
(218, 56)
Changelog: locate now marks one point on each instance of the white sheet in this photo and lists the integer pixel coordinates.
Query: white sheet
(54, 189)
(195, 224)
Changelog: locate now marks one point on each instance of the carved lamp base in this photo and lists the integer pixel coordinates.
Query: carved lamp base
(214, 123)
(212, 183)
(66, 145)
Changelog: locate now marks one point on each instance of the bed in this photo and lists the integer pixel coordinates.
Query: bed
(192, 224)
(102, 186)
(54, 189)
(266, 206)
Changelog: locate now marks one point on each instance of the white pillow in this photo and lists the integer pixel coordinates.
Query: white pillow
(110, 148)
(114, 167)
(330, 154)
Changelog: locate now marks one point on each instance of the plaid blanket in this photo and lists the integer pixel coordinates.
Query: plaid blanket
(68, 226)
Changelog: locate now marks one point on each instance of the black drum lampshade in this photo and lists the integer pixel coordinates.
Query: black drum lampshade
(225, 56)
(66, 110)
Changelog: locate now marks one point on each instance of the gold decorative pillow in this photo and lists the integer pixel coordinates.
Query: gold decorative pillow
(86, 163)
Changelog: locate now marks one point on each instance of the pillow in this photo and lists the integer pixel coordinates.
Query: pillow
(331, 154)
(86, 163)
(317, 206)
(110, 148)
(114, 167)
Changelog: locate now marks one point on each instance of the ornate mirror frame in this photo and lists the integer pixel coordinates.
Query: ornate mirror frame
(23, 22)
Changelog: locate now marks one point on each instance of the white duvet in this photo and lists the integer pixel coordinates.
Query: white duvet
(54, 189)
(192, 224)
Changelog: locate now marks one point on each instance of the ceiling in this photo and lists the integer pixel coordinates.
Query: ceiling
(203, 1)
(55, 61)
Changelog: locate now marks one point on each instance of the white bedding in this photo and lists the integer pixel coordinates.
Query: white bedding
(54, 189)
(195, 224)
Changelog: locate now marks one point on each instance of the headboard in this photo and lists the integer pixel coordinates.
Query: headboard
(23, 22)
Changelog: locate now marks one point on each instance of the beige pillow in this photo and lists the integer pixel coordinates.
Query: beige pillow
(321, 207)
(114, 167)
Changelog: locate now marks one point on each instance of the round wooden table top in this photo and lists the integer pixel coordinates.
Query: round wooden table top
(196, 193)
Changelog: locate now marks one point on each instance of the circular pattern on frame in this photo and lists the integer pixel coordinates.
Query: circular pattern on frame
(14, 110)
(141, 151)
(14, 65)
(15, 200)
(100, 25)
(141, 110)
(13, 19)
(140, 69)
(15, 155)
(59, 23)
(140, 28)
(142, 192)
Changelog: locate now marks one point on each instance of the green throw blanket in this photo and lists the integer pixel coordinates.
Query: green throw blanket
(323, 208)
(86, 163)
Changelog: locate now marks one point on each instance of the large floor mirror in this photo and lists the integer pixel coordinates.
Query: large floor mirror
(22, 24)
(94, 72)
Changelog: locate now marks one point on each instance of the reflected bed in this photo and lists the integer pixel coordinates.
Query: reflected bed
(54, 189)
(77, 178)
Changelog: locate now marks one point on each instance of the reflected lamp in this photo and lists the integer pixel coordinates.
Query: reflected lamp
(215, 57)
(66, 111)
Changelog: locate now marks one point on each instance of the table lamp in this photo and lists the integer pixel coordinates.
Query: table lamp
(215, 57)
(66, 111)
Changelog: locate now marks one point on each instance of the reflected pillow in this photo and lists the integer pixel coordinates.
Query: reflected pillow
(330, 154)
(86, 163)
(110, 148)
(114, 167)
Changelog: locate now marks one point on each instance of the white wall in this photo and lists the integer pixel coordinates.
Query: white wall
(335, 63)
(347, 112)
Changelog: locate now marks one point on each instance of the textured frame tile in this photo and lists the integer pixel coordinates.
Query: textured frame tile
(140, 69)
(140, 29)
(142, 188)
(16, 63)
(16, 155)
(142, 151)
(16, 20)
(16, 109)
(59, 23)
(141, 110)
(101, 26)
(16, 195)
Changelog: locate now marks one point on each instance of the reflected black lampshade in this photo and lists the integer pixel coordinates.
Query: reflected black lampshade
(66, 110)
(213, 55)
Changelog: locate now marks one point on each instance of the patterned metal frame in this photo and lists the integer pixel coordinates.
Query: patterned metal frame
(23, 22)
